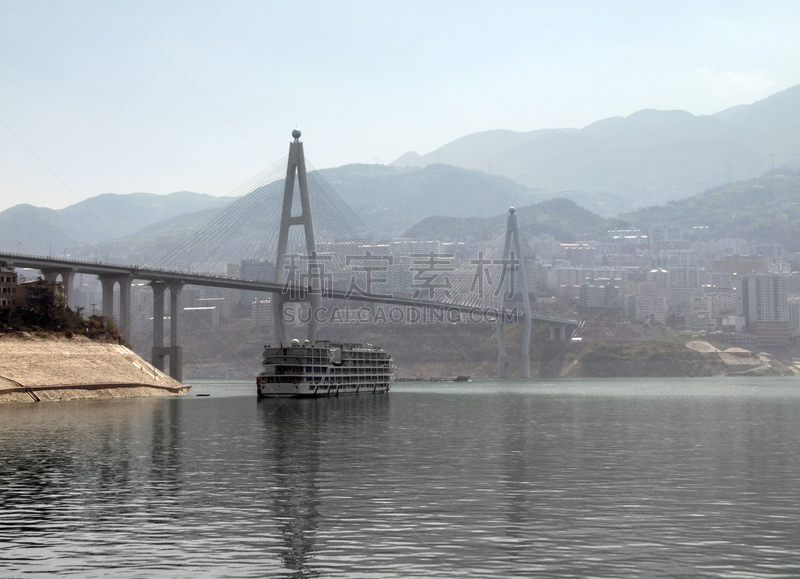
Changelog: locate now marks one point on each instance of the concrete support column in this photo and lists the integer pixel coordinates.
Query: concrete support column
(124, 281)
(525, 354)
(124, 306)
(552, 333)
(158, 313)
(67, 281)
(157, 351)
(277, 316)
(174, 313)
(502, 358)
(175, 350)
(107, 284)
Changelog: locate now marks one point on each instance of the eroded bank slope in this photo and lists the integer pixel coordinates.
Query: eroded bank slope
(45, 366)
(660, 359)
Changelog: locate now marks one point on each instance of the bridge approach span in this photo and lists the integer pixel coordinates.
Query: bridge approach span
(101, 269)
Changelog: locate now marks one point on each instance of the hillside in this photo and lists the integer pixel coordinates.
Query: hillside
(387, 200)
(94, 220)
(561, 218)
(391, 199)
(663, 359)
(649, 157)
(764, 209)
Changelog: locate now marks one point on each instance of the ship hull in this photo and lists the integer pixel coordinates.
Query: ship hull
(312, 391)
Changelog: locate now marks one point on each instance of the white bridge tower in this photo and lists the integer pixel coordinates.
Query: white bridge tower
(514, 269)
(312, 292)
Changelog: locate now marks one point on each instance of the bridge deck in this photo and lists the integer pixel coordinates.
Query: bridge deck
(190, 278)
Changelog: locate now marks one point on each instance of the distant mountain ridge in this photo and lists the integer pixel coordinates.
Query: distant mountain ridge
(649, 157)
(764, 209)
(391, 199)
(387, 200)
(39, 230)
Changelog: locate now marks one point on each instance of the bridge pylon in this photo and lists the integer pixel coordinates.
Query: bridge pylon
(296, 167)
(514, 269)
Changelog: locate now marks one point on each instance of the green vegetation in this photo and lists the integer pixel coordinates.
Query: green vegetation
(563, 219)
(764, 209)
(49, 313)
(644, 359)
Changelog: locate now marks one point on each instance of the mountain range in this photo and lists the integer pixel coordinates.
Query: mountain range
(647, 158)
(43, 231)
(391, 199)
(764, 209)
(567, 182)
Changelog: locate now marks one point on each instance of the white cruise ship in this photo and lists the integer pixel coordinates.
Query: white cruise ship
(324, 368)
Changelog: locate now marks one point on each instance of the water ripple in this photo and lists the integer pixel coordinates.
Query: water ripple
(489, 480)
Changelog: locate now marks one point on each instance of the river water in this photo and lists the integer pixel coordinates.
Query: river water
(654, 478)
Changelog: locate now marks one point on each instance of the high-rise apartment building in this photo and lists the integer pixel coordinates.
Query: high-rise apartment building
(764, 303)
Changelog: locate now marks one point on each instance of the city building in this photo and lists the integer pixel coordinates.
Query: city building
(8, 287)
(261, 315)
(764, 303)
(603, 298)
(794, 316)
(201, 318)
(664, 232)
(37, 290)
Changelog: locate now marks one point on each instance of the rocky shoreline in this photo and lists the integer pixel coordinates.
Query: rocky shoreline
(45, 366)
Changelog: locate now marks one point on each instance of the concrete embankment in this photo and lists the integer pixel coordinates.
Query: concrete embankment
(39, 367)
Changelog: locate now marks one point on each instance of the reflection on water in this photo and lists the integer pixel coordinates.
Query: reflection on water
(298, 431)
(295, 459)
(658, 478)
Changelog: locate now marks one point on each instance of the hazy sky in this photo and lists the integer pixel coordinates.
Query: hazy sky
(118, 96)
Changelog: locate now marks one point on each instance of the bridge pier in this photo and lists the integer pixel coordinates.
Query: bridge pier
(513, 268)
(107, 282)
(67, 280)
(558, 332)
(502, 358)
(174, 350)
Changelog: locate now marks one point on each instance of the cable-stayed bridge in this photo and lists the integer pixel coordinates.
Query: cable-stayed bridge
(321, 251)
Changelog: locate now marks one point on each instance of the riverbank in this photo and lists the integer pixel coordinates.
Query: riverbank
(658, 359)
(46, 366)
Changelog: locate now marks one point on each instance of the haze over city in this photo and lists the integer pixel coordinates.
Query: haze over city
(123, 97)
